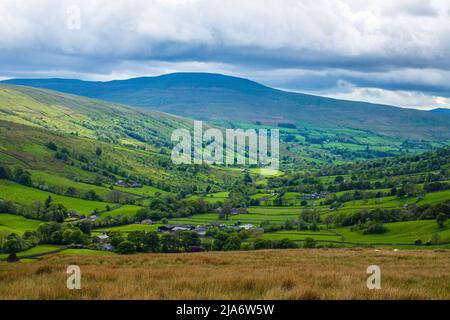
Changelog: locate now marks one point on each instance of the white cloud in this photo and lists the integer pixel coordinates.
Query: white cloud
(406, 99)
(401, 43)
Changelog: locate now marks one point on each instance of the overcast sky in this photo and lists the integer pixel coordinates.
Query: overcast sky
(393, 52)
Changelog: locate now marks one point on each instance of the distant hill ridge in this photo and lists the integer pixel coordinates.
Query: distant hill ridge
(440, 111)
(219, 98)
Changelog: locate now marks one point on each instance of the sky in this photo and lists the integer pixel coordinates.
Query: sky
(391, 52)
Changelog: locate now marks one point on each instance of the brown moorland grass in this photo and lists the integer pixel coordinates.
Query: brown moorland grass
(267, 274)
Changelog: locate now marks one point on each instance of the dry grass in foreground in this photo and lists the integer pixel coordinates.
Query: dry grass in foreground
(271, 274)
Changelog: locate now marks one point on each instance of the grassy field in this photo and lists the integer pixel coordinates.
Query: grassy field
(26, 195)
(400, 232)
(85, 252)
(129, 228)
(62, 183)
(36, 250)
(269, 274)
(17, 224)
(126, 211)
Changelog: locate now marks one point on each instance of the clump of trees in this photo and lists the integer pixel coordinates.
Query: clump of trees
(47, 211)
(143, 241)
(409, 213)
(46, 233)
(19, 175)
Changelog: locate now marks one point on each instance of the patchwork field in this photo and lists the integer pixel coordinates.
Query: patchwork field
(26, 195)
(10, 223)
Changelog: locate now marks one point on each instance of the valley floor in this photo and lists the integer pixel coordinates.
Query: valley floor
(265, 274)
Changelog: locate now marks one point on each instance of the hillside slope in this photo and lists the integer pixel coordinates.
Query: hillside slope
(135, 145)
(86, 117)
(217, 97)
(440, 111)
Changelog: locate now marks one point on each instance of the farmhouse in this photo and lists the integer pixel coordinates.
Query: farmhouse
(136, 185)
(235, 211)
(200, 230)
(121, 183)
(176, 227)
(147, 221)
(101, 238)
(315, 195)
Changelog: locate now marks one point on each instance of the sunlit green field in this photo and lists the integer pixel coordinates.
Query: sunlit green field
(45, 248)
(404, 233)
(129, 228)
(62, 183)
(126, 211)
(10, 223)
(26, 196)
(85, 252)
(400, 232)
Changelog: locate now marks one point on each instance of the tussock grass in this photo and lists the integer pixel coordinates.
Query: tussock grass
(268, 274)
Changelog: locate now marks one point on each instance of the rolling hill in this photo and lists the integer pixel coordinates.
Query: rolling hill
(440, 111)
(135, 143)
(220, 98)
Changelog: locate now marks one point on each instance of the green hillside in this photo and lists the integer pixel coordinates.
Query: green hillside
(216, 97)
(72, 168)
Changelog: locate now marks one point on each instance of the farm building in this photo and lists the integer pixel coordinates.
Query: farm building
(176, 227)
(101, 238)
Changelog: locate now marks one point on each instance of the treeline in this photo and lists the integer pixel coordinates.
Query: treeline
(47, 233)
(411, 212)
(188, 241)
(47, 211)
(395, 166)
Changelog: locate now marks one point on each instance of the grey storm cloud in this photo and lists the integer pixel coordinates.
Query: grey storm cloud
(400, 45)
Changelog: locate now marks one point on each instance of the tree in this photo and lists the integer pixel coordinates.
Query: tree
(232, 243)
(262, 244)
(115, 238)
(85, 226)
(23, 177)
(137, 237)
(126, 247)
(5, 173)
(309, 243)
(13, 244)
(328, 221)
(72, 235)
(339, 179)
(374, 227)
(225, 210)
(52, 146)
(56, 212)
(48, 201)
(98, 152)
(92, 195)
(71, 191)
(189, 239)
(440, 219)
(170, 243)
(302, 225)
(46, 231)
(151, 241)
(247, 178)
(286, 244)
